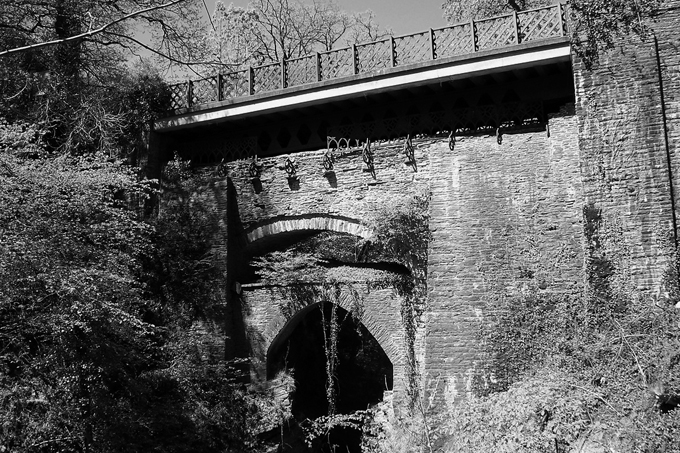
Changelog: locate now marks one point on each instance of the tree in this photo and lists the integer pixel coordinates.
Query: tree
(63, 62)
(95, 304)
(366, 29)
(270, 30)
(595, 24)
(456, 11)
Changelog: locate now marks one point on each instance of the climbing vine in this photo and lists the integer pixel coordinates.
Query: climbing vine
(330, 345)
(330, 268)
(593, 367)
(402, 233)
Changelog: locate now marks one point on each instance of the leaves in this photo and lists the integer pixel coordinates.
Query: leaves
(101, 313)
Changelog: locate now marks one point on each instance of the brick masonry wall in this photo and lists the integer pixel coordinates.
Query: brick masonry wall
(351, 193)
(666, 31)
(499, 213)
(502, 217)
(623, 148)
(338, 202)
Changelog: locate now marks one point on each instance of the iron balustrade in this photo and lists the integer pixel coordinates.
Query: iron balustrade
(394, 51)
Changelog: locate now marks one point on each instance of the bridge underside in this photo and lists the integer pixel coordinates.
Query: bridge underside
(510, 97)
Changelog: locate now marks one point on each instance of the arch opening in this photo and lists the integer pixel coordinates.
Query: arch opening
(362, 371)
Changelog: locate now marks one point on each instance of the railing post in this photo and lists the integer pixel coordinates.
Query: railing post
(220, 93)
(433, 47)
(189, 93)
(318, 67)
(473, 35)
(251, 80)
(561, 17)
(393, 59)
(516, 26)
(283, 73)
(355, 57)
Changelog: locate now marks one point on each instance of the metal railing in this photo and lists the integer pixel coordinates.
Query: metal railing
(395, 51)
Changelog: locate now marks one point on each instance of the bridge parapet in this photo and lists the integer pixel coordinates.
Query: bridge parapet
(373, 57)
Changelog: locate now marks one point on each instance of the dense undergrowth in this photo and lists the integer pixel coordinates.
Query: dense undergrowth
(99, 349)
(593, 369)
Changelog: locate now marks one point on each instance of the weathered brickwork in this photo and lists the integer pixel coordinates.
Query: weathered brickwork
(503, 216)
(624, 160)
(340, 201)
(499, 213)
(350, 192)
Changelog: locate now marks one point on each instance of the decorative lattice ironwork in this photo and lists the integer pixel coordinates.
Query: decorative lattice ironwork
(495, 32)
(204, 90)
(368, 157)
(341, 143)
(409, 152)
(336, 63)
(412, 48)
(178, 95)
(230, 150)
(291, 167)
(255, 168)
(533, 25)
(328, 160)
(239, 148)
(451, 41)
(267, 78)
(374, 56)
(539, 24)
(301, 70)
(469, 120)
(235, 84)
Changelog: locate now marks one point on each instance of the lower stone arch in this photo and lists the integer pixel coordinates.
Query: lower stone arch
(364, 369)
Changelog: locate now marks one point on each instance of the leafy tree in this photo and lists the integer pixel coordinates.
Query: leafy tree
(63, 63)
(456, 11)
(595, 24)
(95, 349)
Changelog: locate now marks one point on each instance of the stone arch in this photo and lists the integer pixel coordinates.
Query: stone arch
(308, 223)
(379, 332)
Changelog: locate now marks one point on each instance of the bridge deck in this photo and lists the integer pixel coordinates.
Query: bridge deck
(518, 39)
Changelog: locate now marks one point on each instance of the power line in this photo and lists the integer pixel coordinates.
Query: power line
(209, 16)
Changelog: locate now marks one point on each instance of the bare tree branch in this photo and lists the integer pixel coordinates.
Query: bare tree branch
(90, 32)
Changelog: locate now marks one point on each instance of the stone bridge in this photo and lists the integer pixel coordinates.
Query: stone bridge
(502, 147)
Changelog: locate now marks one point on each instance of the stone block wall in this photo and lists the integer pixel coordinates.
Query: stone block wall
(626, 159)
(503, 216)
(350, 192)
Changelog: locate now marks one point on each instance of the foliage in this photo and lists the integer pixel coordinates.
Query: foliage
(597, 24)
(95, 349)
(456, 11)
(27, 23)
(270, 30)
(580, 368)
(402, 232)
(70, 336)
(83, 92)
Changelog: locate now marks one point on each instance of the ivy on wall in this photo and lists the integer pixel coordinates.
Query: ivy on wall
(596, 365)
